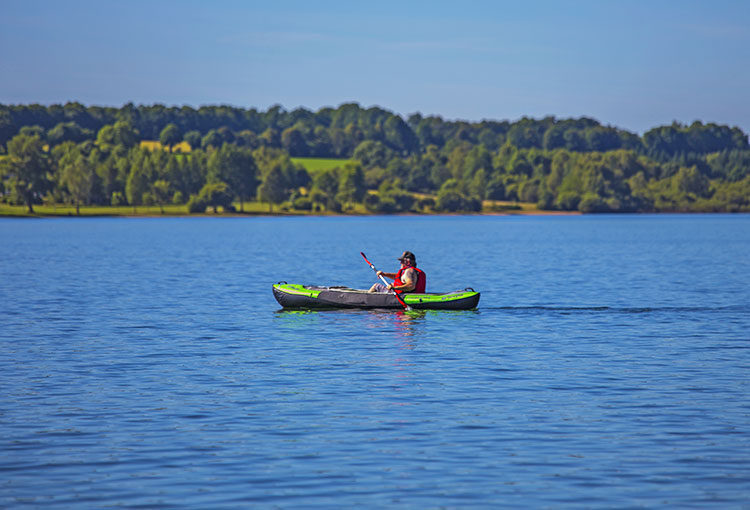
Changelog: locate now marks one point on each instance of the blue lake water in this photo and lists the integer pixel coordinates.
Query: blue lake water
(144, 363)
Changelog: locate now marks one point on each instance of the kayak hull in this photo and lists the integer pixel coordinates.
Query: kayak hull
(308, 296)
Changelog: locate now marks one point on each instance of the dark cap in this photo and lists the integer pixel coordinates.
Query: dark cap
(408, 255)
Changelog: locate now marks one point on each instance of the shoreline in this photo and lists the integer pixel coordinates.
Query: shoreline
(256, 214)
(36, 215)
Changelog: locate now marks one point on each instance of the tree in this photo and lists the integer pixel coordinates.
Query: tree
(138, 178)
(77, 177)
(68, 132)
(193, 139)
(351, 183)
(451, 199)
(293, 141)
(690, 180)
(170, 136)
(236, 167)
(25, 168)
(327, 182)
(120, 133)
(32, 131)
(273, 188)
(160, 192)
(372, 154)
(399, 135)
(215, 194)
(212, 139)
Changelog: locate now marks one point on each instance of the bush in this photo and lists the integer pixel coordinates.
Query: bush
(426, 203)
(118, 198)
(505, 207)
(372, 202)
(449, 201)
(568, 201)
(591, 202)
(216, 194)
(333, 205)
(196, 205)
(177, 198)
(303, 204)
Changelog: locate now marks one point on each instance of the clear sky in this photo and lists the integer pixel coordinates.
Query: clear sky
(631, 63)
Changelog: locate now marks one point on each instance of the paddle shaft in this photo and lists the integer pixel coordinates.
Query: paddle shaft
(385, 282)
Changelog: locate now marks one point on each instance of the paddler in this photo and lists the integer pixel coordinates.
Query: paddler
(408, 279)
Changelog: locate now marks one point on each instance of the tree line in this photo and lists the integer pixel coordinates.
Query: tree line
(91, 155)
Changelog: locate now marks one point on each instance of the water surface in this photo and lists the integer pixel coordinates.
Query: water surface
(144, 363)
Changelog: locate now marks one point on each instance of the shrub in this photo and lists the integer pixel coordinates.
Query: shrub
(118, 198)
(591, 202)
(303, 204)
(568, 201)
(196, 205)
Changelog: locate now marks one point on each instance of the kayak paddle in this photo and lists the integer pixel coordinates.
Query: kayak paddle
(398, 297)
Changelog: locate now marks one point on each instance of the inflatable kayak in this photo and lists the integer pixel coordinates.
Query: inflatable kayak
(309, 296)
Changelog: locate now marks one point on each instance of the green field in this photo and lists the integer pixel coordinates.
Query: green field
(314, 165)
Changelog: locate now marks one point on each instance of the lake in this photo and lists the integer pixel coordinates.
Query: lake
(144, 363)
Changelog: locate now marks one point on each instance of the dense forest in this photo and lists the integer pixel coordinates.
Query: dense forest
(221, 156)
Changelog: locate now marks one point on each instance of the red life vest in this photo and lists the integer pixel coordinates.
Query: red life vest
(421, 283)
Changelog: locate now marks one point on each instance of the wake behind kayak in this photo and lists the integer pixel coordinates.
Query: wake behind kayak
(310, 296)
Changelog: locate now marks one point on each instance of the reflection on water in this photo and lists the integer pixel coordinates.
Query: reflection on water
(404, 323)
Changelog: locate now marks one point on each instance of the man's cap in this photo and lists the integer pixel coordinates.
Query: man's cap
(407, 255)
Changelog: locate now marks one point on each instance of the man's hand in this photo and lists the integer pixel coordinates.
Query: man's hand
(390, 286)
(379, 273)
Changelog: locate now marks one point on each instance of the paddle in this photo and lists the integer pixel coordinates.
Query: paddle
(398, 297)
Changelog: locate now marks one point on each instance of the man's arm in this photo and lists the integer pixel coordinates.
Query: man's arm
(392, 276)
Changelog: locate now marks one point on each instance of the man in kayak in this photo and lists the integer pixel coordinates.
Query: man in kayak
(408, 279)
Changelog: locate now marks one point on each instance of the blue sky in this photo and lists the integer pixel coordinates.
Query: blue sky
(633, 64)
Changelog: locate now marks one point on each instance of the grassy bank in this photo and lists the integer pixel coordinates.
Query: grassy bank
(250, 208)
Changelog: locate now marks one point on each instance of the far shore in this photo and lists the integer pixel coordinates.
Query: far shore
(253, 209)
(154, 212)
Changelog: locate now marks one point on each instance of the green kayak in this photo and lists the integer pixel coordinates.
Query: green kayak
(310, 296)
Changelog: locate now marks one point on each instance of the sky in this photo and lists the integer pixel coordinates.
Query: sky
(632, 64)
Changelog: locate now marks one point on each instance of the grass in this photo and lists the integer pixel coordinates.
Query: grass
(92, 210)
(314, 165)
(249, 208)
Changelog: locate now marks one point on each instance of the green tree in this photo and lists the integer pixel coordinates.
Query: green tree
(193, 138)
(450, 198)
(216, 194)
(25, 168)
(690, 180)
(77, 177)
(121, 133)
(33, 131)
(327, 183)
(372, 154)
(351, 184)
(160, 191)
(235, 166)
(273, 189)
(399, 135)
(138, 178)
(68, 132)
(170, 136)
(212, 139)
(293, 141)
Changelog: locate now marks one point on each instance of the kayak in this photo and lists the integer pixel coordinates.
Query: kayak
(310, 296)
